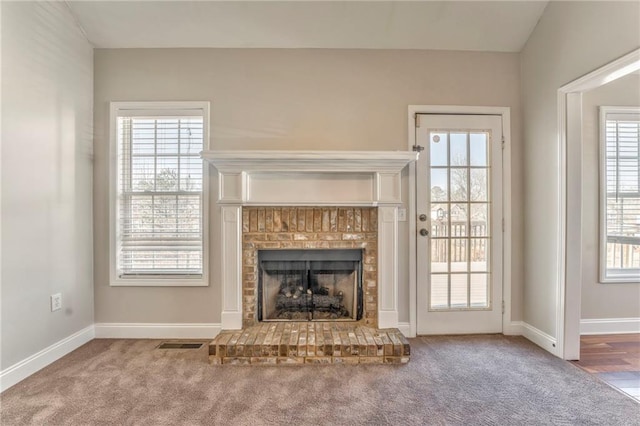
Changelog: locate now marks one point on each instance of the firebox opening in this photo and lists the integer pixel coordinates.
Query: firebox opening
(310, 285)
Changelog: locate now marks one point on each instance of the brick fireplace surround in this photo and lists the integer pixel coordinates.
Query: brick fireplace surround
(309, 200)
(309, 228)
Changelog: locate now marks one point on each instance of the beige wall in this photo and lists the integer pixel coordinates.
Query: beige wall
(602, 300)
(47, 245)
(290, 99)
(570, 40)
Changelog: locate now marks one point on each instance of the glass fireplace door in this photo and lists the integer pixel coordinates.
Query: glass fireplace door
(310, 285)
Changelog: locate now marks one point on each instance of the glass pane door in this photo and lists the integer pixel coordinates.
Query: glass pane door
(460, 208)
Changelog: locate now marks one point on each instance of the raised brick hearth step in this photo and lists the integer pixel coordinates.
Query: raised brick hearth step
(309, 343)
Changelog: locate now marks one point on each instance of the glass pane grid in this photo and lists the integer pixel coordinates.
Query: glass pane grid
(623, 197)
(460, 207)
(160, 184)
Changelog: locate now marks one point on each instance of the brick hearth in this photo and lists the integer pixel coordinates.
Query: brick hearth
(309, 343)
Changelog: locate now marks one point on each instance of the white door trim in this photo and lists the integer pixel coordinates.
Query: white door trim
(505, 112)
(569, 198)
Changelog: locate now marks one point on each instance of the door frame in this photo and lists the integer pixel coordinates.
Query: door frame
(569, 240)
(505, 113)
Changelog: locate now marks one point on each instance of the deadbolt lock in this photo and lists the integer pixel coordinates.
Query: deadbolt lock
(422, 217)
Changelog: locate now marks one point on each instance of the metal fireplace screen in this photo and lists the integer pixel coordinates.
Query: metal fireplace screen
(310, 285)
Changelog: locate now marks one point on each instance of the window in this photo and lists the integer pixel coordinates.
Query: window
(620, 194)
(159, 193)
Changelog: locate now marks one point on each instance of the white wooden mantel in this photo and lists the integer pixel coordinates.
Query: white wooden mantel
(309, 178)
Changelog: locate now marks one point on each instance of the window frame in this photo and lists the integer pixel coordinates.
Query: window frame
(155, 280)
(602, 199)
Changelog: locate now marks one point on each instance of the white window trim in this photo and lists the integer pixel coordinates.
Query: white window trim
(155, 107)
(602, 254)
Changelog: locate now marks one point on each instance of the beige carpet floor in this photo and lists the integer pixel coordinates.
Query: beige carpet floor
(462, 380)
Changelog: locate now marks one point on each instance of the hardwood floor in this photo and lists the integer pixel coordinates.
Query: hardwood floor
(614, 358)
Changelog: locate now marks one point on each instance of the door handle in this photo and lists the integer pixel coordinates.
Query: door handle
(424, 232)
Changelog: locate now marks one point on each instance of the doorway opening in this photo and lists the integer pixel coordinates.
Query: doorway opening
(570, 237)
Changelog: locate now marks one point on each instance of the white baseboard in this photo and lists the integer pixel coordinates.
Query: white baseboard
(156, 331)
(609, 326)
(38, 361)
(405, 328)
(514, 328)
(540, 338)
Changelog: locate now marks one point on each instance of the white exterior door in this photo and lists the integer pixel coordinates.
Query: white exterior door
(459, 210)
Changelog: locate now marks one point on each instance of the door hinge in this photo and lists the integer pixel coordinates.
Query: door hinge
(503, 142)
(416, 117)
(418, 148)
(503, 306)
(502, 224)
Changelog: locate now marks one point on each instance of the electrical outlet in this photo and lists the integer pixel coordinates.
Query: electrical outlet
(402, 215)
(56, 302)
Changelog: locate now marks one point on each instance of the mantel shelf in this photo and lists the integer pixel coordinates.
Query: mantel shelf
(313, 161)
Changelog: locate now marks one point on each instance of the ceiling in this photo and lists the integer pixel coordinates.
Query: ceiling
(500, 26)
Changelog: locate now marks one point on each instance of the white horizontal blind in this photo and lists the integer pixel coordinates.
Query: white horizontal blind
(622, 146)
(160, 181)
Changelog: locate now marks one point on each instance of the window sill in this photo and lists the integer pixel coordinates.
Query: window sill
(620, 280)
(160, 282)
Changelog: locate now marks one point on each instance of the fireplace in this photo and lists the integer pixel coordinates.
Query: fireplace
(334, 297)
(308, 200)
(310, 285)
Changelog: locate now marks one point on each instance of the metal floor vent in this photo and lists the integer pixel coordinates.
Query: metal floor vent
(180, 345)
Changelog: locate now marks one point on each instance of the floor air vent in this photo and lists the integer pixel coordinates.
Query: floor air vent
(180, 345)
